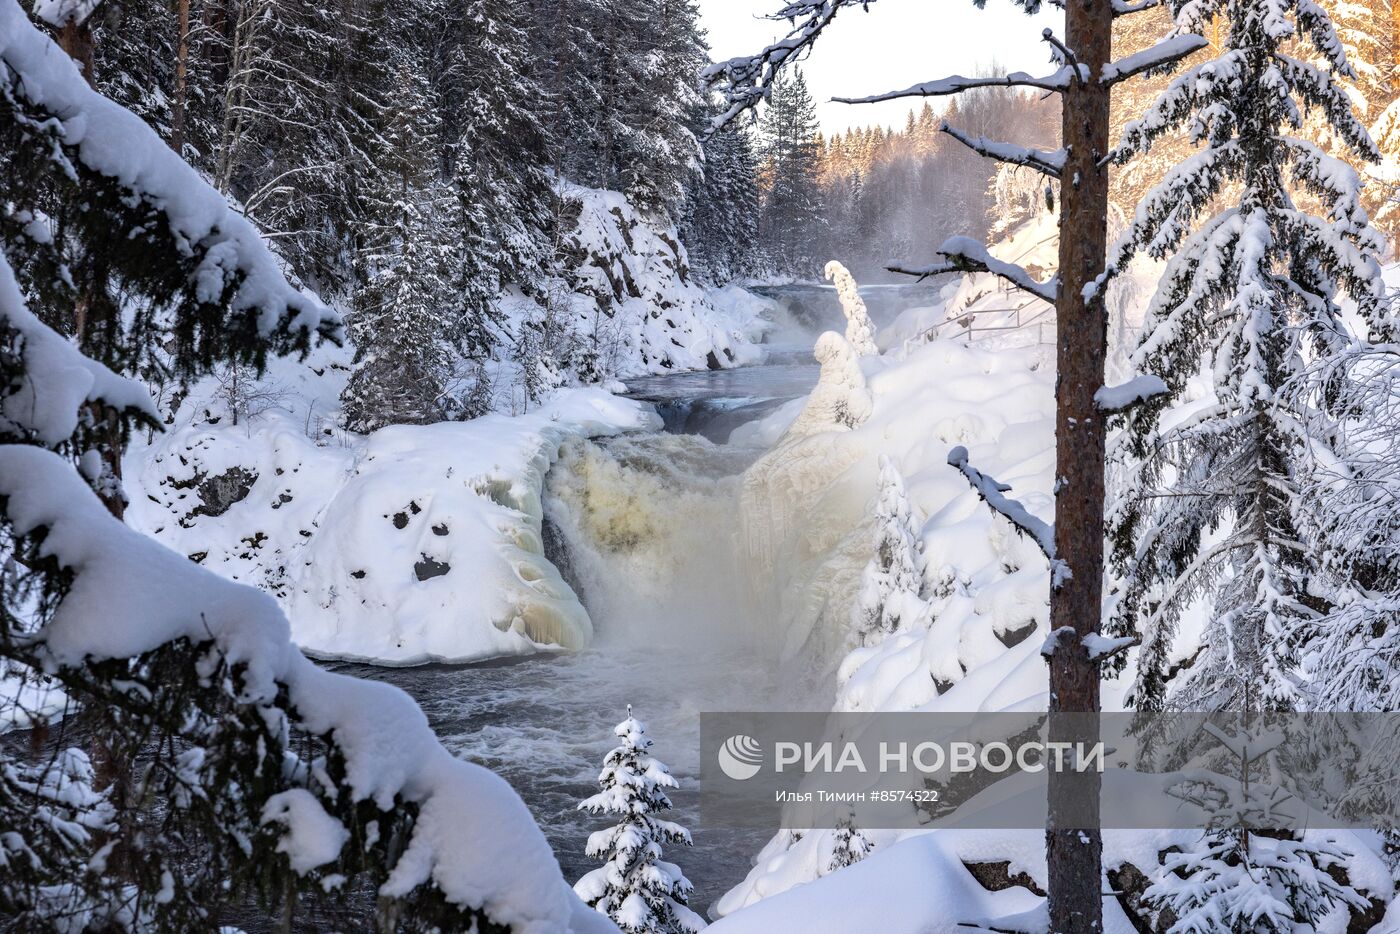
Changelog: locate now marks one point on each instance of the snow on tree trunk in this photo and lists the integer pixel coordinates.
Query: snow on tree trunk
(1074, 854)
(860, 332)
(639, 891)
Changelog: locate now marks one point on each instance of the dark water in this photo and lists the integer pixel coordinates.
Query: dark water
(712, 403)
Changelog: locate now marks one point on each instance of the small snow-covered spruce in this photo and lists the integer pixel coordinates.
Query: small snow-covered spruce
(1251, 286)
(1243, 876)
(891, 594)
(639, 891)
(859, 330)
(849, 845)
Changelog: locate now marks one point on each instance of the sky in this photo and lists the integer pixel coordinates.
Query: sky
(896, 44)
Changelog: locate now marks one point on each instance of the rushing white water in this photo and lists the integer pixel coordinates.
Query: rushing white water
(644, 527)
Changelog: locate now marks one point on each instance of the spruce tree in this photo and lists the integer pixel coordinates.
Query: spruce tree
(891, 594)
(792, 217)
(402, 317)
(1251, 287)
(720, 223)
(849, 845)
(501, 156)
(639, 891)
(1243, 877)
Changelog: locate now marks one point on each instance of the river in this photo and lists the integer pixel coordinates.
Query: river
(643, 527)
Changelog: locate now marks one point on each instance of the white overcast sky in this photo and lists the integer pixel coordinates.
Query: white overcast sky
(896, 44)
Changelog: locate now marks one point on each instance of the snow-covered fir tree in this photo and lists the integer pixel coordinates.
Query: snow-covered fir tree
(1242, 877)
(504, 195)
(635, 887)
(791, 216)
(223, 768)
(293, 145)
(849, 845)
(1252, 289)
(720, 222)
(403, 316)
(891, 594)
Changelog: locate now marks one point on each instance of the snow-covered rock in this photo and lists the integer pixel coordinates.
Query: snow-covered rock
(416, 543)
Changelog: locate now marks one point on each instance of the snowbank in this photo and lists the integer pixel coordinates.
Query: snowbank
(414, 544)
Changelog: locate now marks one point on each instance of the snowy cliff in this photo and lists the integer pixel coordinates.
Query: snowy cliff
(426, 543)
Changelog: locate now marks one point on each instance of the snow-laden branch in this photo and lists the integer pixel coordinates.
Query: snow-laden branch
(1126, 395)
(92, 132)
(956, 84)
(473, 838)
(1098, 647)
(1166, 52)
(47, 404)
(965, 254)
(745, 81)
(1048, 163)
(993, 493)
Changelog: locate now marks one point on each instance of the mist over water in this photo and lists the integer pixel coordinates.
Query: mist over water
(643, 526)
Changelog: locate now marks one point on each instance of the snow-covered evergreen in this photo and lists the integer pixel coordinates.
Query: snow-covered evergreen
(1252, 290)
(402, 318)
(891, 594)
(635, 887)
(1240, 877)
(792, 216)
(231, 767)
(849, 845)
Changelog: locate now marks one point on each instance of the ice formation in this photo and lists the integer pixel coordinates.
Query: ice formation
(859, 329)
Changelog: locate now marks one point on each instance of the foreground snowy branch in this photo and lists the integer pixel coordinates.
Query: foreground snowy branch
(956, 84)
(992, 492)
(967, 255)
(1137, 390)
(1167, 52)
(1048, 163)
(745, 81)
(473, 838)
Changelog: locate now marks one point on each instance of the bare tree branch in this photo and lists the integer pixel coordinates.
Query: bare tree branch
(967, 255)
(1047, 163)
(1167, 52)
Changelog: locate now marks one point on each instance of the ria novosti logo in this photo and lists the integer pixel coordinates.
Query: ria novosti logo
(740, 757)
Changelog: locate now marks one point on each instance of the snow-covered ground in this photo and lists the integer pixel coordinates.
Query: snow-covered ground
(415, 543)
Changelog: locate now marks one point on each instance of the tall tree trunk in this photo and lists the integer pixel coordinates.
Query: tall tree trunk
(75, 38)
(1074, 853)
(182, 60)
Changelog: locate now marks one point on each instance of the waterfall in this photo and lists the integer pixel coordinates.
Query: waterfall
(646, 526)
